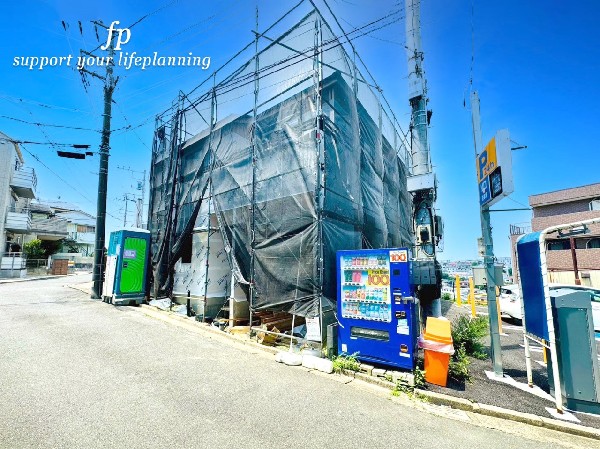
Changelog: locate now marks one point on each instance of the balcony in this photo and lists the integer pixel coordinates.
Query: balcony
(24, 182)
(18, 220)
(49, 228)
(12, 265)
(86, 238)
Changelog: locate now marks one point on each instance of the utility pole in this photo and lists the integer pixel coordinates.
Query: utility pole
(125, 198)
(486, 231)
(139, 221)
(109, 87)
(422, 183)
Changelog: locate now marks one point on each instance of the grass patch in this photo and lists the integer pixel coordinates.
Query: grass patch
(343, 363)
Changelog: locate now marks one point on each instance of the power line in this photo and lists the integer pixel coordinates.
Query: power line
(144, 17)
(43, 105)
(53, 144)
(75, 189)
(128, 127)
(233, 82)
(48, 124)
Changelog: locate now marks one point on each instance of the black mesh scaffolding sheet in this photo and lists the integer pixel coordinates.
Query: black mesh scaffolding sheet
(316, 170)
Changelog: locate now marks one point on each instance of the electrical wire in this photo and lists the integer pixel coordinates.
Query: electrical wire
(233, 82)
(48, 124)
(129, 128)
(75, 189)
(144, 17)
(17, 100)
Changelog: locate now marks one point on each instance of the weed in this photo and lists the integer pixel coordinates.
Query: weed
(459, 365)
(447, 297)
(419, 377)
(344, 362)
(468, 332)
(403, 386)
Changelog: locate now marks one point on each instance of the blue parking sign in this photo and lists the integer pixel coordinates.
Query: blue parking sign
(485, 193)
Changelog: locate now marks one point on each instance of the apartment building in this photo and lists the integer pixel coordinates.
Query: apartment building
(23, 217)
(80, 227)
(18, 185)
(569, 258)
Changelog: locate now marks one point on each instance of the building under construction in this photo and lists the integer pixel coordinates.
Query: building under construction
(285, 155)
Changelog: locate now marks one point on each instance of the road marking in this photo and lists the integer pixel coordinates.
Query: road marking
(511, 327)
(539, 362)
(565, 415)
(535, 390)
(533, 348)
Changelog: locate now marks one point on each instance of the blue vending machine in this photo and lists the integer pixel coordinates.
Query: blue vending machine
(377, 312)
(126, 267)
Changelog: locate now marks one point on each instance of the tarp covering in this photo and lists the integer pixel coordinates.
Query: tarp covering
(319, 168)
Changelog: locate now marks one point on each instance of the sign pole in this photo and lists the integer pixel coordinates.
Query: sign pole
(486, 231)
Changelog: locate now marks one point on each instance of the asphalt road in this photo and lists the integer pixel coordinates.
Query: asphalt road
(77, 373)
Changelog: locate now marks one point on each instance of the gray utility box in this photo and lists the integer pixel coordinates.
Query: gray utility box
(576, 350)
(424, 272)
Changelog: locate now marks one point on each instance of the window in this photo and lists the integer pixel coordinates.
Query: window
(558, 245)
(595, 205)
(593, 243)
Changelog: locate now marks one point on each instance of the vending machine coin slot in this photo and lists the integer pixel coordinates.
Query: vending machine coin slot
(403, 348)
(397, 296)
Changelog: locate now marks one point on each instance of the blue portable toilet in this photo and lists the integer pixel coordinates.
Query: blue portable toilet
(126, 267)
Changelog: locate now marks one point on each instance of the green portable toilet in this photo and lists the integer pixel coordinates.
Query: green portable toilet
(126, 267)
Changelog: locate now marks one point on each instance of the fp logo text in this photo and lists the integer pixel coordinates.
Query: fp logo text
(119, 37)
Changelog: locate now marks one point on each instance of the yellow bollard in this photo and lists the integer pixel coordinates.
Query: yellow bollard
(472, 296)
(498, 309)
(545, 355)
(457, 286)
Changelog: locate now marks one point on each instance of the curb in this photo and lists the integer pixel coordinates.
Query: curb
(433, 397)
(200, 328)
(512, 415)
(41, 278)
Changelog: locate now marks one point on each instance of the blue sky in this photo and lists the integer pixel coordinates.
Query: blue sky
(536, 67)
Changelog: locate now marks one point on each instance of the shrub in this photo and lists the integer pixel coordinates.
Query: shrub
(33, 249)
(447, 297)
(344, 362)
(467, 334)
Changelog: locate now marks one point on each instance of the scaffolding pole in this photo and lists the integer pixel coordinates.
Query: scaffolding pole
(320, 144)
(212, 160)
(253, 205)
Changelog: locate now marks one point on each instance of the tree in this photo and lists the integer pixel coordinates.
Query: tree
(33, 249)
(50, 247)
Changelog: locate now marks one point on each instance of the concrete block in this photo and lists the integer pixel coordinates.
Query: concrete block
(367, 369)
(399, 376)
(378, 372)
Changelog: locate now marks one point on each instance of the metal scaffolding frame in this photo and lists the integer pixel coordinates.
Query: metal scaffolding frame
(190, 157)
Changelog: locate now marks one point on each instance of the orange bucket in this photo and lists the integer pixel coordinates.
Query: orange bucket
(439, 331)
(436, 367)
